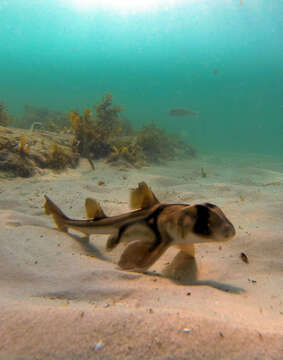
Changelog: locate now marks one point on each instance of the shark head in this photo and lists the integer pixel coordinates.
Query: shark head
(204, 223)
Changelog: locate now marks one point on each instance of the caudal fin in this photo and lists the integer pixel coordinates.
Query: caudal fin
(58, 216)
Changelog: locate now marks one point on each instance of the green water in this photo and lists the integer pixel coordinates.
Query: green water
(57, 55)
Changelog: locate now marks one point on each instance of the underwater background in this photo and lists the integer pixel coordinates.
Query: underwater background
(220, 58)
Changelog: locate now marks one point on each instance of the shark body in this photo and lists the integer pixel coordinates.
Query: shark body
(151, 229)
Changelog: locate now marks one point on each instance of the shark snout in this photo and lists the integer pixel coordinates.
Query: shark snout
(229, 231)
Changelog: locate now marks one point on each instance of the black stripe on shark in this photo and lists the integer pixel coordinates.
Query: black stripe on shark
(150, 221)
(201, 226)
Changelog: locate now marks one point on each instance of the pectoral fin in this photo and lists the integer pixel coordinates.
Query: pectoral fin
(140, 254)
(134, 257)
(112, 241)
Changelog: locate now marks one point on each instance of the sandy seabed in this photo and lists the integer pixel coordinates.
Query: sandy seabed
(64, 298)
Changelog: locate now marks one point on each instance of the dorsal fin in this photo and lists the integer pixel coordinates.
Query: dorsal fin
(93, 209)
(142, 197)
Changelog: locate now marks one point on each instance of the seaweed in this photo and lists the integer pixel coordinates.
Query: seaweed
(156, 144)
(58, 158)
(108, 117)
(23, 153)
(13, 164)
(94, 137)
(23, 146)
(83, 128)
(126, 151)
(12, 156)
(108, 136)
(5, 118)
(182, 148)
(55, 140)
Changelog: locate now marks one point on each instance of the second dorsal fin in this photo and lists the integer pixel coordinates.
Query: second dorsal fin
(93, 209)
(142, 197)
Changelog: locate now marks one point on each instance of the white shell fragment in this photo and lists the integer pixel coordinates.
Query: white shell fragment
(98, 346)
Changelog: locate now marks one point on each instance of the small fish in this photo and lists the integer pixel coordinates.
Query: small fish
(181, 112)
(149, 230)
(244, 257)
(274, 183)
(216, 71)
(252, 281)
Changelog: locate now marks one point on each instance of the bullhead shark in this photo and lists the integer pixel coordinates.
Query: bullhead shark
(150, 228)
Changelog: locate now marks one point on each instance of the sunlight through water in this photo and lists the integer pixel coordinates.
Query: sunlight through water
(123, 6)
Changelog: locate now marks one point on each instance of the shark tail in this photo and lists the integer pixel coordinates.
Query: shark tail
(59, 217)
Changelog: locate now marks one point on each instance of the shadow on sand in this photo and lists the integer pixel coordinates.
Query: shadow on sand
(88, 248)
(183, 270)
